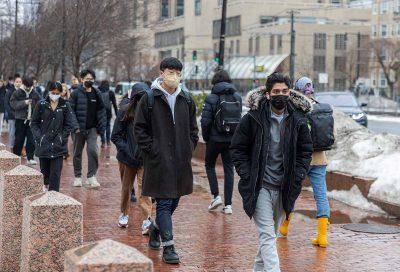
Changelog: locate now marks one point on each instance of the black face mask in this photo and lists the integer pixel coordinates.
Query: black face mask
(88, 84)
(279, 102)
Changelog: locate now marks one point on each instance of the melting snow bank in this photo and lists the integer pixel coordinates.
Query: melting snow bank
(360, 152)
(384, 118)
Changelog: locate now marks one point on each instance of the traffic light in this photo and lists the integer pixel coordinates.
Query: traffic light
(216, 56)
(194, 55)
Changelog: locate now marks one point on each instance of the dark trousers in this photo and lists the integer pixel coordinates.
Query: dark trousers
(164, 209)
(106, 136)
(213, 149)
(51, 170)
(79, 139)
(22, 131)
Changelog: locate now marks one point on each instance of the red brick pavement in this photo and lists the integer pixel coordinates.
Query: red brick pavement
(215, 242)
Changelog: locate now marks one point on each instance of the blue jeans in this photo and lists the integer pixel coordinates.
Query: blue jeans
(106, 136)
(164, 209)
(317, 176)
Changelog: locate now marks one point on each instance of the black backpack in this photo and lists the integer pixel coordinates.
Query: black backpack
(321, 124)
(106, 99)
(228, 114)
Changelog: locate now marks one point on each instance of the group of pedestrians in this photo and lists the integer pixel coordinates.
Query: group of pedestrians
(155, 133)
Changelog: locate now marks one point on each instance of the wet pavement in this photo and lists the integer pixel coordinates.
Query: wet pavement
(216, 242)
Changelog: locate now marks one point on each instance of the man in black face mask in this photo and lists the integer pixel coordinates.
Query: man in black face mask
(88, 108)
(271, 151)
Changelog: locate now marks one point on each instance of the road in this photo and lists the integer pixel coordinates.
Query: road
(380, 126)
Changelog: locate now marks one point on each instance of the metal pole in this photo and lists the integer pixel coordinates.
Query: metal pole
(1, 47)
(63, 43)
(222, 35)
(292, 45)
(358, 54)
(15, 38)
(254, 69)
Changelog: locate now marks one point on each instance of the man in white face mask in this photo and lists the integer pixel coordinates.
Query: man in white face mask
(166, 131)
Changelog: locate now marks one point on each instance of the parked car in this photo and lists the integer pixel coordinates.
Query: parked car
(346, 102)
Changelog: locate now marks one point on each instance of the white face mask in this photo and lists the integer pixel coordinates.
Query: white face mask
(54, 97)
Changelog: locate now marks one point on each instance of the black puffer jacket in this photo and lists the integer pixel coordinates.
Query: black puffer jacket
(209, 131)
(9, 110)
(51, 129)
(128, 151)
(3, 91)
(250, 148)
(78, 102)
(19, 105)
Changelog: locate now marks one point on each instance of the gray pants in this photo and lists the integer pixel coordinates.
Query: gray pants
(268, 216)
(79, 139)
(11, 133)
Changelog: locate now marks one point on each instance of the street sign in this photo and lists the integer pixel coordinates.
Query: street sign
(260, 68)
(323, 78)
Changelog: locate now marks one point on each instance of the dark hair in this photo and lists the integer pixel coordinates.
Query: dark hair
(27, 81)
(131, 108)
(148, 82)
(221, 76)
(171, 63)
(16, 75)
(55, 85)
(105, 83)
(34, 78)
(277, 78)
(10, 78)
(85, 72)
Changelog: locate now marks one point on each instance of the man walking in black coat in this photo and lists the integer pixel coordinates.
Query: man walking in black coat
(87, 105)
(271, 151)
(166, 131)
(218, 141)
(12, 84)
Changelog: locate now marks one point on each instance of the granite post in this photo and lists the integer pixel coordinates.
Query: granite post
(16, 184)
(52, 224)
(106, 256)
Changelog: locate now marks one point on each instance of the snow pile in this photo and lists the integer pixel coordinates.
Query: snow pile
(383, 118)
(360, 152)
(354, 198)
(378, 102)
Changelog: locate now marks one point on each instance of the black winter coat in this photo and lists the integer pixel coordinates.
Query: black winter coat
(51, 128)
(128, 151)
(167, 147)
(78, 102)
(3, 91)
(8, 109)
(19, 105)
(112, 99)
(208, 128)
(250, 148)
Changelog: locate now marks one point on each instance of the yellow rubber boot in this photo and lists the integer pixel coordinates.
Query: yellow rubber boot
(322, 236)
(284, 228)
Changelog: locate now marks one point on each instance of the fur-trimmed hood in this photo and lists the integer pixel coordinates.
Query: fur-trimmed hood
(299, 101)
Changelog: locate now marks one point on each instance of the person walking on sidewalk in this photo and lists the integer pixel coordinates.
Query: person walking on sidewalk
(223, 105)
(52, 122)
(3, 91)
(108, 100)
(271, 151)
(88, 108)
(12, 84)
(166, 131)
(129, 157)
(317, 172)
(24, 101)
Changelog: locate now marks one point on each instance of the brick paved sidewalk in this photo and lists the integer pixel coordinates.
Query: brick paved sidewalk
(216, 242)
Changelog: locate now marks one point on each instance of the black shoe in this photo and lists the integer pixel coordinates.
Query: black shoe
(133, 197)
(170, 256)
(154, 237)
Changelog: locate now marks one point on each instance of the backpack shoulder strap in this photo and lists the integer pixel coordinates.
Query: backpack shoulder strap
(150, 99)
(187, 96)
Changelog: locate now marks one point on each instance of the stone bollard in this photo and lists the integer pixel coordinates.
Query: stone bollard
(106, 256)
(8, 161)
(52, 224)
(20, 182)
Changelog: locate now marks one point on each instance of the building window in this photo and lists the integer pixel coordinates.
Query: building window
(384, 6)
(320, 41)
(272, 44)
(232, 48)
(382, 80)
(340, 84)
(279, 41)
(397, 7)
(135, 12)
(335, 2)
(180, 8)
(237, 47)
(319, 64)
(340, 64)
(251, 46)
(257, 51)
(145, 12)
(169, 38)
(232, 27)
(374, 9)
(374, 33)
(197, 7)
(164, 9)
(340, 41)
(383, 30)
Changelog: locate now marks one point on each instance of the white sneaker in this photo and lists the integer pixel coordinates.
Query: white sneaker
(145, 226)
(123, 221)
(216, 202)
(227, 209)
(32, 162)
(78, 182)
(93, 182)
